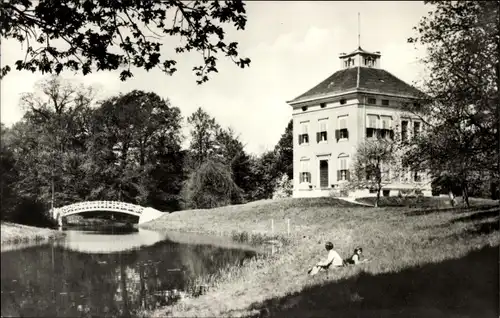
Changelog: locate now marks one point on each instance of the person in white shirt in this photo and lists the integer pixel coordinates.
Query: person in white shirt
(333, 259)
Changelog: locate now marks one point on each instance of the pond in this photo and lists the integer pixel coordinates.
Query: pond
(109, 274)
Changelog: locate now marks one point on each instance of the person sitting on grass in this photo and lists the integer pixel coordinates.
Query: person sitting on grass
(355, 258)
(333, 259)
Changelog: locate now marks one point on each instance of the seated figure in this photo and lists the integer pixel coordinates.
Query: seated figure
(333, 259)
(355, 258)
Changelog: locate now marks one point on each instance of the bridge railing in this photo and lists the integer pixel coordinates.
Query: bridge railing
(96, 205)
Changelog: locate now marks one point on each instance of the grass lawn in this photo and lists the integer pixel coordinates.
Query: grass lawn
(425, 263)
(12, 233)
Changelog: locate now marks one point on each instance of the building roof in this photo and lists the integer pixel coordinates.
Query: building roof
(366, 79)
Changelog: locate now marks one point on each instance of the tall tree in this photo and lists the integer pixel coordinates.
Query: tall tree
(51, 138)
(462, 113)
(134, 135)
(231, 152)
(284, 151)
(8, 176)
(89, 36)
(204, 131)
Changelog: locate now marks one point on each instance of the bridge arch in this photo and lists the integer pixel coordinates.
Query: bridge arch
(145, 214)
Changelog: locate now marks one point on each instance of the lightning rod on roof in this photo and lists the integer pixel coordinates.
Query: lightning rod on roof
(359, 33)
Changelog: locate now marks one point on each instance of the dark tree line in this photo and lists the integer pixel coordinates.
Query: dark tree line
(68, 147)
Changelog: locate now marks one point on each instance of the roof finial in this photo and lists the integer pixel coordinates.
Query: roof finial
(359, 33)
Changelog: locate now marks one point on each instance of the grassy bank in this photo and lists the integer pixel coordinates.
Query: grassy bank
(431, 264)
(13, 233)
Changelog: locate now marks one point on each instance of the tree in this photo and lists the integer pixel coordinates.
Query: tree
(210, 186)
(231, 151)
(89, 36)
(462, 112)
(50, 139)
(284, 151)
(135, 139)
(372, 165)
(8, 177)
(204, 131)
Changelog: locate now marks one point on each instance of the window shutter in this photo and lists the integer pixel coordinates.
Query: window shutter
(317, 137)
(338, 175)
(300, 139)
(347, 133)
(392, 134)
(337, 134)
(347, 174)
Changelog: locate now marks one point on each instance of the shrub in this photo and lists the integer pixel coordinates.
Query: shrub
(210, 186)
(283, 188)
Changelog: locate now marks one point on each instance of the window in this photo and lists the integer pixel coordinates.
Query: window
(304, 135)
(369, 61)
(305, 175)
(386, 173)
(371, 126)
(371, 101)
(343, 172)
(322, 105)
(404, 130)
(372, 121)
(416, 128)
(342, 101)
(304, 108)
(342, 132)
(386, 122)
(385, 102)
(416, 177)
(322, 131)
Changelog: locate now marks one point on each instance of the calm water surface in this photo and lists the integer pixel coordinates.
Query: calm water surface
(109, 274)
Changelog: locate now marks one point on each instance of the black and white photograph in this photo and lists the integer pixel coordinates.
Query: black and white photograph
(209, 158)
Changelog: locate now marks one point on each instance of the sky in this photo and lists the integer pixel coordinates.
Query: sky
(293, 46)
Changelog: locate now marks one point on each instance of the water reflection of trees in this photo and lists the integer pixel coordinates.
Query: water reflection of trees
(51, 281)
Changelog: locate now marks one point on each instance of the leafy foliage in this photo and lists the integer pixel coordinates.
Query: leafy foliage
(87, 36)
(463, 48)
(372, 165)
(210, 186)
(284, 188)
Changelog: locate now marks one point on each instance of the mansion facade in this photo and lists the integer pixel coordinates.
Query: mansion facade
(359, 101)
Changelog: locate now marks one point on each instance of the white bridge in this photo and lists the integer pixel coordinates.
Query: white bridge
(144, 214)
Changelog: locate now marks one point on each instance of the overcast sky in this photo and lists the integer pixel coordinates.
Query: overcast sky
(293, 46)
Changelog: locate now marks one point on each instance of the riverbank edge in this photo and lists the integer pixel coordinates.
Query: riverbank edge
(15, 234)
(276, 244)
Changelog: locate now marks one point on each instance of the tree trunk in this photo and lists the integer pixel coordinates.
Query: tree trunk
(378, 196)
(465, 194)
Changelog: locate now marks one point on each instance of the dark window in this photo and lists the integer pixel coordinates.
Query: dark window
(303, 139)
(416, 128)
(385, 102)
(342, 101)
(304, 108)
(372, 101)
(323, 105)
(343, 134)
(370, 132)
(416, 177)
(404, 130)
(305, 177)
(322, 136)
(343, 175)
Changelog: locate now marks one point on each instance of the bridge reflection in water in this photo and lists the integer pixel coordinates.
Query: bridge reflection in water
(95, 242)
